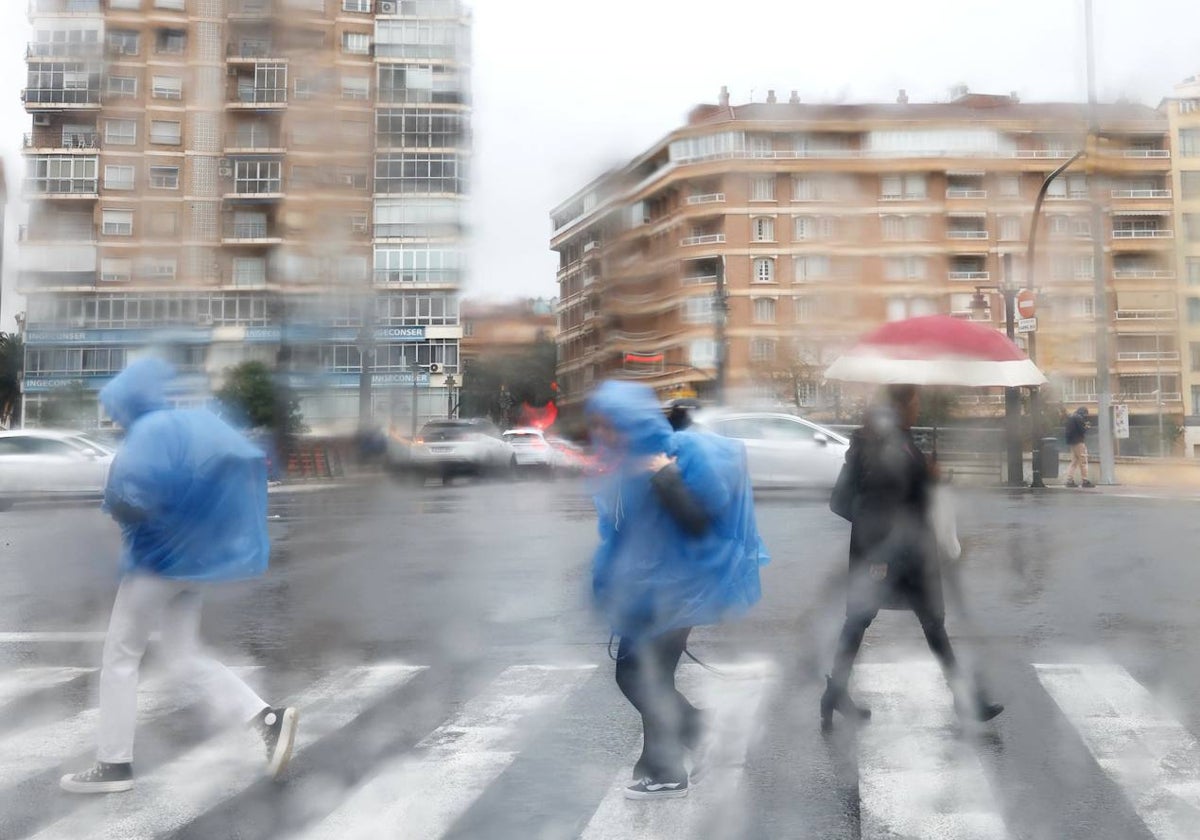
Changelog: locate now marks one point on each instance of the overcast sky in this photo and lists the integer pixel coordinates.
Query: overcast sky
(564, 89)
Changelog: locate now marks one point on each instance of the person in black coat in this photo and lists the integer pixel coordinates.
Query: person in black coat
(885, 491)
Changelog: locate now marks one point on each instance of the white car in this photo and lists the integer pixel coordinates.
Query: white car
(782, 450)
(40, 463)
(447, 448)
(532, 450)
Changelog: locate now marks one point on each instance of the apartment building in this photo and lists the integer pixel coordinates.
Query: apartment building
(280, 180)
(826, 220)
(1183, 114)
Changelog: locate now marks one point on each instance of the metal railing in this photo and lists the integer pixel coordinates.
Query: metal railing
(1143, 234)
(966, 234)
(62, 186)
(957, 192)
(1140, 194)
(80, 7)
(706, 239)
(62, 141)
(262, 96)
(1142, 274)
(248, 230)
(1145, 153)
(707, 198)
(970, 275)
(1148, 356)
(235, 140)
(1147, 314)
(60, 96)
(1167, 396)
(699, 279)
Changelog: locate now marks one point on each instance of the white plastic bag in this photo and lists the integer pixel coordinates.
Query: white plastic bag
(943, 520)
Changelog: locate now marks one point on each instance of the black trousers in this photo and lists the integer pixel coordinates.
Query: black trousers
(867, 597)
(670, 724)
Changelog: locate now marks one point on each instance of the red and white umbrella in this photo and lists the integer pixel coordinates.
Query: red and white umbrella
(936, 350)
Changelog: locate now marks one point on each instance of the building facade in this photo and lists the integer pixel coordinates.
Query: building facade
(281, 180)
(1183, 114)
(824, 221)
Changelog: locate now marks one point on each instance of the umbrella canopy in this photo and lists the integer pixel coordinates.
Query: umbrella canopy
(936, 350)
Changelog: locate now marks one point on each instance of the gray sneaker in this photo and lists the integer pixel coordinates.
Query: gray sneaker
(277, 728)
(101, 777)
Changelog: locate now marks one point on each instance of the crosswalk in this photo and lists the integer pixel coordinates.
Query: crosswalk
(918, 773)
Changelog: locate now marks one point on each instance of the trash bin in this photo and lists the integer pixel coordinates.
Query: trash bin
(1049, 456)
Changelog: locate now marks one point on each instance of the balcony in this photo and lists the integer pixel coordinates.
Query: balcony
(254, 142)
(60, 141)
(259, 97)
(1042, 154)
(250, 9)
(250, 50)
(64, 7)
(964, 192)
(707, 198)
(705, 239)
(1143, 234)
(1169, 396)
(250, 233)
(62, 188)
(58, 99)
(1147, 314)
(1142, 274)
(256, 191)
(1148, 356)
(970, 275)
(35, 50)
(966, 233)
(1140, 194)
(1158, 154)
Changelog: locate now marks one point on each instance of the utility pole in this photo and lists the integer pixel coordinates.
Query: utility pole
(366, 361)
(1100, 292)
(720, 319)
(1012, 396)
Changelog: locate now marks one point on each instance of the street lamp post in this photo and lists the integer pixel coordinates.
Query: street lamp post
(1012, 396)
(720, 321)
(366, 361)
(450, 383)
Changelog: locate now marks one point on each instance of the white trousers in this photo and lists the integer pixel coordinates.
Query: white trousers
(146, 603)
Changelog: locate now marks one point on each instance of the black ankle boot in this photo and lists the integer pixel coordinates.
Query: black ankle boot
(837, 698)
(975, 705)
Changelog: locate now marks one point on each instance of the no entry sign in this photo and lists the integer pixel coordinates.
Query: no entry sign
(1026, 306)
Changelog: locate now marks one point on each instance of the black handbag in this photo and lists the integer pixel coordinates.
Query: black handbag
(841, 500)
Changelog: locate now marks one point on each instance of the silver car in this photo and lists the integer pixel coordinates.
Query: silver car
(40, 463)
(783, 450)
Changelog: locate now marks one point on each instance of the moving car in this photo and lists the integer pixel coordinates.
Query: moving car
(572, 458)
(448, 448)
(782, 450)
(532, 450)
(43, 464)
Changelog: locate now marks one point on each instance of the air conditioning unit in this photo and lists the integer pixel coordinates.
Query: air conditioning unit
(387, 7)
(41, 119)
(225, 169)
(435, 368)
(591, 246)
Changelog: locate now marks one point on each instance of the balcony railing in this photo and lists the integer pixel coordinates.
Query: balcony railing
(253, 141)
(699, 279)
(963, 192)
(966, 234)
(1142, 274)
(707, 198)
(250, 8)
(1140, 194)
(62, 186)
(1168, 396)
(1143, 234)
(262, 96)
(970, 275)
(62, 141)
(1038, 154)
(1146, 153)
(1147, 314)
(60, 49)
(706, 239)
(1148, 356)
(77, 7)
(35, 97)
(249, 230)
(251, 49)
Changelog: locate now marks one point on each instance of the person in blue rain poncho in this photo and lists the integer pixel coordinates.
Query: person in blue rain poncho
(190, 496)
(679, 547)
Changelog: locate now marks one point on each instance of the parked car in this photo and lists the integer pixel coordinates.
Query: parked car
(532, 450)
(42, 463)
(782, 450)
(448, 448)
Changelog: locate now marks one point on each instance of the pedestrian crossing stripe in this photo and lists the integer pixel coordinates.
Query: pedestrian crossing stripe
(917, 776)
(1135, 741)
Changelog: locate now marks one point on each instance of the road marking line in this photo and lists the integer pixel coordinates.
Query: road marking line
(916, 776)
(23, 681)
(421, 794)
(16, 637)
(48, 745)
(1134, 740)
(202, 778)
(714, 808)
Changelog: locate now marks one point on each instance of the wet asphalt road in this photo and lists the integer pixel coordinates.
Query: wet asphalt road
(472, 579)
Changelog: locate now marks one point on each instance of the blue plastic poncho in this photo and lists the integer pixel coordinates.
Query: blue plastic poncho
(649, 576)
(189, 491)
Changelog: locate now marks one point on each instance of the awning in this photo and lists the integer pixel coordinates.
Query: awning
(1141, 212)
(644, 358)
(969, 214)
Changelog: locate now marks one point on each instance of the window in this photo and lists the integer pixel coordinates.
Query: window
(304, 88)
(164, 177)
(423, 172)
(257, 176)
(115, 270)
(893, 228)
(764, 310)
(356, 87)
(170, 41)
(249, 271)
(1081, 226)
(1194, 352)
(1010, 228)
(762, 350)
(118, 177)
(157, 269)
(124, 4)
(359, 223)
(164, 223)
(806, 228)
(123, 42)
(117, 222)
(1191, 226)
(176, 5)
(897, 187)
(356, 5)
(762, 188)
(355, 179)
(1189, 142)
(1010, 186)
(1192, 265)
(1058, 225)
(904, 268)
(1189, 183)
(702, 353)
(1193, 310)
(120, 132)
(698, 310)
(812, 267)
(419, 128)
(762, 229)
(417, 217)
(167, 132)
(808, 188)
(122, 86)
(764, 270)
(418, 265)
(167, 87)
(356, 43)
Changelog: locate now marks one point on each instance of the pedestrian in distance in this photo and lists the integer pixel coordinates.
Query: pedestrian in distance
(190, 495)
(1076, 434)
(884, 489)
(679, 547)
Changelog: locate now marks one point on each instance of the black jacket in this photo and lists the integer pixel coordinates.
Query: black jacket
(890, 511)
(1076, 429)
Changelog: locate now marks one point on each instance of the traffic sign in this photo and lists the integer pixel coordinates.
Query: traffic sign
(1026, 325)
(1120, 421)
(1026, 305)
